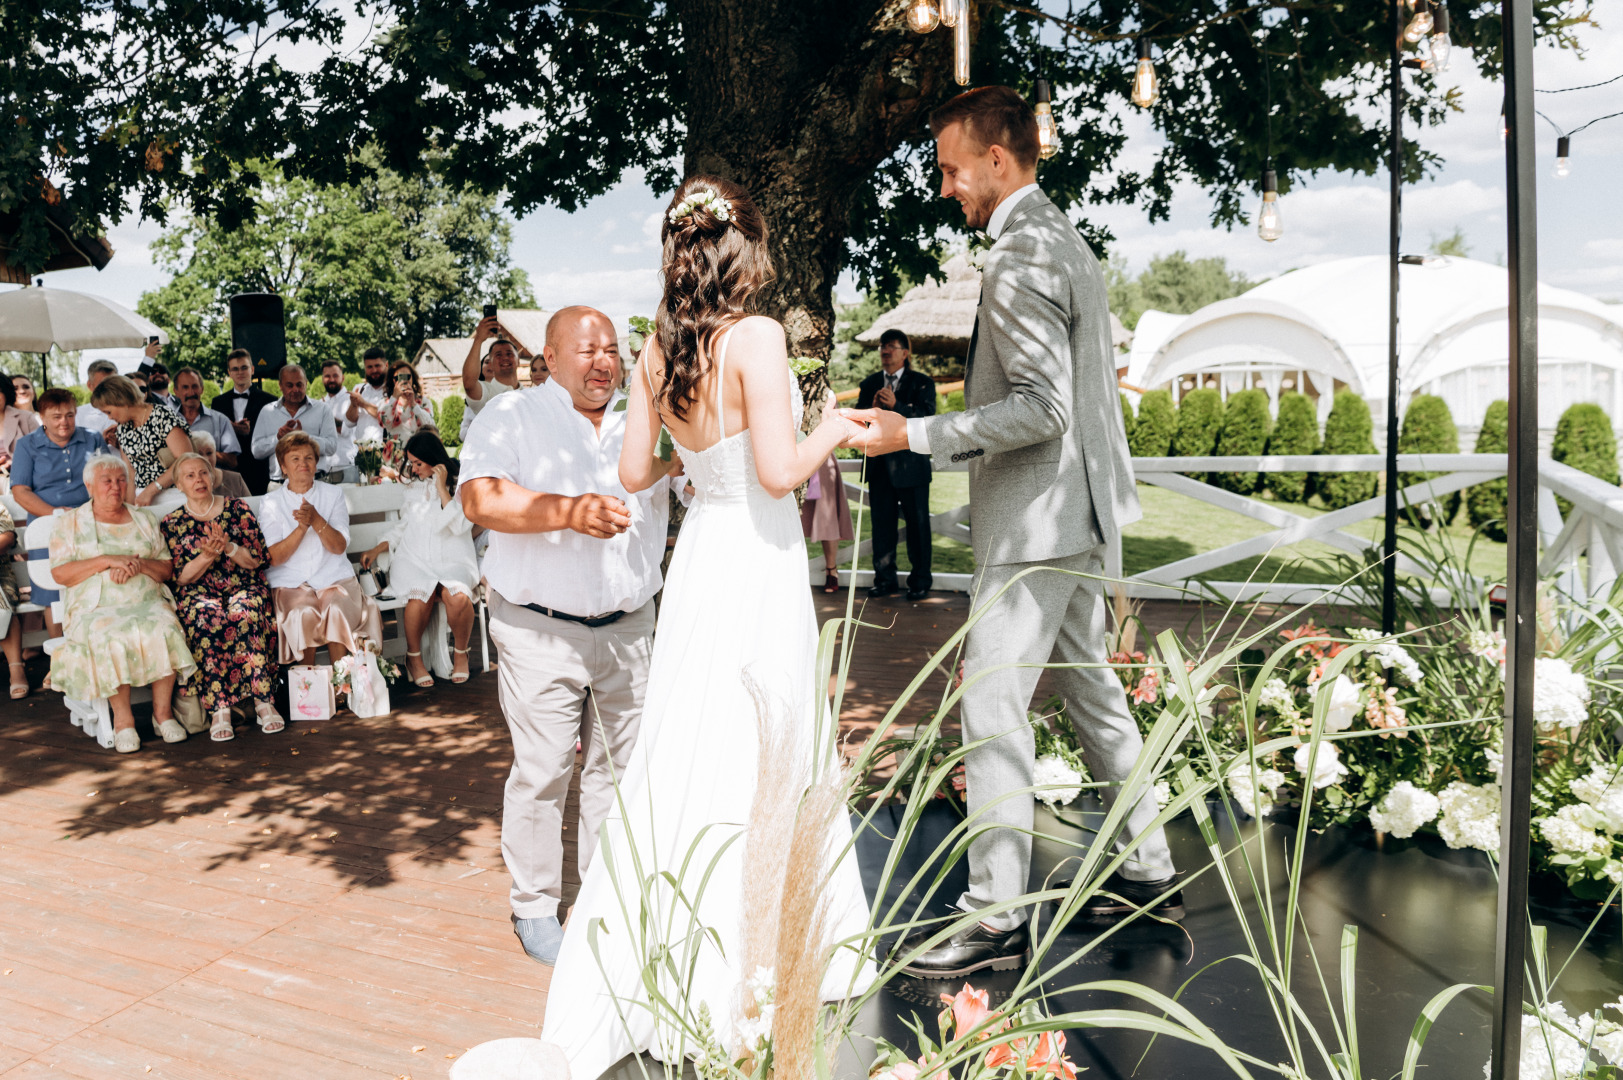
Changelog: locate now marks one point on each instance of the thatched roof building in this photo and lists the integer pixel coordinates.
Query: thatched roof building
(938, 316)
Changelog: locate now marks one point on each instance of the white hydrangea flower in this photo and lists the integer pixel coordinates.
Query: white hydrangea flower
(1404, 809)
(1327, 767)
(1560, 695)
(1559, 1046)
(1496, 761)
(1277, 696)
(1163, 794)
(754, 1032)
(1344, 704)
(1239, 778)
(1470, 816)
(1486, 644)
(1571, 831)
(1603, 789)
(1390, 654)
(1063, 782)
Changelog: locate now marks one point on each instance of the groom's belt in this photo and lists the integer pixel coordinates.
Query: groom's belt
(595, 621)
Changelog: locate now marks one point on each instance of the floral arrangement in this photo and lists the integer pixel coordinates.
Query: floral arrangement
(968, 1018)
(369, 456)
(1559, 1046)
(706, 197)
(343, 670)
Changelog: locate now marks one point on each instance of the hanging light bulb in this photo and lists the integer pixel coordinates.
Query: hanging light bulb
(1047, 130)
(1270, 226)
(960, 45)
(1420, 25)
(1442, 46)
(1562, 146)
(923, 17)
(1146, 87)
(949, 12)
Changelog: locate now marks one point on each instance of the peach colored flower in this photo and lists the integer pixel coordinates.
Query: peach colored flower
(970, 1009)
(1383, 711)
(1004, 1053)
(1048, 1059)
(1307, 630)
(1146, 691)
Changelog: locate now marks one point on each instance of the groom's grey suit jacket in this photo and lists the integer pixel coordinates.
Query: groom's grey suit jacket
(1049, 470)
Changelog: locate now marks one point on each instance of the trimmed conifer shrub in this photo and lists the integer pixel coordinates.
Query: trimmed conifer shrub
(1347, 430)
(1127, 418)
(1157, 422)
(1200, 418)
(1428, 428)
(1487, 504)
(450, 419)
(1245, 431)
(1584, 439)
(1295, 432)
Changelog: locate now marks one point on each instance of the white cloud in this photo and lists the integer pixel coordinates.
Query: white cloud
(619, 294)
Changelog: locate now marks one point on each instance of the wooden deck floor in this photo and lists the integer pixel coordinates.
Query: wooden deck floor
(325, 903)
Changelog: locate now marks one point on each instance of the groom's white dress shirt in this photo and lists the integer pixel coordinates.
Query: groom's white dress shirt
(536, 439)
(918, 437)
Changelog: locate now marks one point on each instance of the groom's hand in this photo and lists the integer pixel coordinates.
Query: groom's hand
(600, 516)
(884, 431)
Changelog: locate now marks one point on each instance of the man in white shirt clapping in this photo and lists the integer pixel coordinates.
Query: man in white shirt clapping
(294, 412)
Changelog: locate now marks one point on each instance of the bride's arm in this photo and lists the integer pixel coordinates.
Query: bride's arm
(781, 464)
(640, 467)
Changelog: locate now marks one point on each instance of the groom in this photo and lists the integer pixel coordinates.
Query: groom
(572, 569)
(1051, 486)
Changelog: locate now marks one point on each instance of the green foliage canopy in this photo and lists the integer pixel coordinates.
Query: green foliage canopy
(1174, 283)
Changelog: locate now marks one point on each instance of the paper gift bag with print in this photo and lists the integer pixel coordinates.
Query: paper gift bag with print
(309, 692)
(368, 689)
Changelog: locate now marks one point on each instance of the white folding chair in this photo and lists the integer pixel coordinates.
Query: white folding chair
(94, 718)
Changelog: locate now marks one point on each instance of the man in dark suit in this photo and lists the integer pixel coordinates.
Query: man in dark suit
(241, 405)
(899, 482)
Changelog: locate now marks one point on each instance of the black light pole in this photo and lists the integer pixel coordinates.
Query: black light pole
(1389, 560)
(1516, 787)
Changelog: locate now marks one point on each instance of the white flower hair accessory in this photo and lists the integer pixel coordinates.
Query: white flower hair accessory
(708, 198)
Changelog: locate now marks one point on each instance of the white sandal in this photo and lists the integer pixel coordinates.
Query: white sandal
(270, 721)
(460, 676)
(171, 729)
(126, 741)
(19, 682)
(221, 730)
(427, 680)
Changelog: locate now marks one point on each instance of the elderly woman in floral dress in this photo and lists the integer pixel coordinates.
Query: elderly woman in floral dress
(112, 562)
(223, 599)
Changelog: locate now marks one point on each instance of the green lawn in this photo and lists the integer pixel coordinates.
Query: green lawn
(1176, 526)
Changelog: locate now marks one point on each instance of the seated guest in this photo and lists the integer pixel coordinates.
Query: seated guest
(25, 392)
(226, 482)
(11, 625)
(306, 523)
(294, 412)
(47, 471)
(14, 422)
(144, 431)
(404, 414)
(110, 559)
(432, 560)
(223, 599)
(202, 419)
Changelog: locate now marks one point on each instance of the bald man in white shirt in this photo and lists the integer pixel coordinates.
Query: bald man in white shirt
(573, 566)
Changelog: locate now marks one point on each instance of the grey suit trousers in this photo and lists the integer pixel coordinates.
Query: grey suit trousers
(560, 681)
(1043, 615)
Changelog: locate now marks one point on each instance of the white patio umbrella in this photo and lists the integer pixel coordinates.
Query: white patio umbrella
(33, 320)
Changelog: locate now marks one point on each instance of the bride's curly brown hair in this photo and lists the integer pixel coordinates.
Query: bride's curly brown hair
(713, 270)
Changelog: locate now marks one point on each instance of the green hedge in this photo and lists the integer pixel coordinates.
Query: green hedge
(953, 402)
(1127, 418)
(1584, 439)
(452, 408)
(1295, 432)
(1157, 422)
(1245, 431)
(1428, 428)
(81, 393)
(1488, 504)
(1200, 418)
(1347, 430)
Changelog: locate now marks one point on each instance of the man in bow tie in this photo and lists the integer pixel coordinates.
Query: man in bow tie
(899, 482)
(242, 405)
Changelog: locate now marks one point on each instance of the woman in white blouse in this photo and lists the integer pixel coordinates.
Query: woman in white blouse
(432, 558)
(313, 587)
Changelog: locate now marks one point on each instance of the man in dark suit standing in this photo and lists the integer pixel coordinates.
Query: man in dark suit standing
(899, 481)
(241, 405)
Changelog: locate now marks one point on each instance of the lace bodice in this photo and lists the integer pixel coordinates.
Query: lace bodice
(727, 468)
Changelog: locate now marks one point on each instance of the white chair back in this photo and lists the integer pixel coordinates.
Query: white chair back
(37, 537)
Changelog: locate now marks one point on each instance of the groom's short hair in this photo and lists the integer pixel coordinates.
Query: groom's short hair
(992, 115)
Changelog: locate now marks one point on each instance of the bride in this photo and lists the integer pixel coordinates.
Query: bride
(736, 617)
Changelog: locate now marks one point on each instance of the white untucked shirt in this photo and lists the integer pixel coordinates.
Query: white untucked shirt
(535, 439)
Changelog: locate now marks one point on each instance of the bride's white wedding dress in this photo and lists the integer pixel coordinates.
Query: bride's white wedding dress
(737, 600)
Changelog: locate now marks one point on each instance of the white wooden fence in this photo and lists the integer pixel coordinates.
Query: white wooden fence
(1588, 538)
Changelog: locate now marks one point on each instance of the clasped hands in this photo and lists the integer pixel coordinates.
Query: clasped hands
(214, 542)
(874, 431)
(120, 568)
(306, 515)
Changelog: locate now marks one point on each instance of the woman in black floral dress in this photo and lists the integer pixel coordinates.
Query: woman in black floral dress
(145, 430)
(222, 599)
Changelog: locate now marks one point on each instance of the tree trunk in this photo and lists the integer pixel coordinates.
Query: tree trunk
(798, 102)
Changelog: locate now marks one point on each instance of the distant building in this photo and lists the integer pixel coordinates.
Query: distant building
(439, 360)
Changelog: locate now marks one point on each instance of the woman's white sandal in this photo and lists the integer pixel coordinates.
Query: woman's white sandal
(221, 730)
(427, 680)
(270, 721)
(459, 676)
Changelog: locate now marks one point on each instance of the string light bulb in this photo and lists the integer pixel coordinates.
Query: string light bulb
(922, 16)
(1270, 226)
(1146, 87)
(960, 45)
(949, 12)
(1047, 130)
(1562, 146)
(1420, 25)
(1442, 46)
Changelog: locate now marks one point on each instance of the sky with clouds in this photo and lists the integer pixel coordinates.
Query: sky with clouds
(606, 254)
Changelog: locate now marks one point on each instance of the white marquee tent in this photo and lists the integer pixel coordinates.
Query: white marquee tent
(1325, 327)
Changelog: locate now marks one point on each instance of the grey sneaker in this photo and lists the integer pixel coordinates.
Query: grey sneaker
(541, 938)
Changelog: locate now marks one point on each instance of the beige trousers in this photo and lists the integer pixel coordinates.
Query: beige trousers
(561, 681)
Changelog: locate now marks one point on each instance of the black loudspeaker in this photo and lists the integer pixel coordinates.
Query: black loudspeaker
(256, 325)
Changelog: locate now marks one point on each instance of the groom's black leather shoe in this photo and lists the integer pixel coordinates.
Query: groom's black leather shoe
(880, 589)
(967, 951)
(915, 595)
(1134, 896)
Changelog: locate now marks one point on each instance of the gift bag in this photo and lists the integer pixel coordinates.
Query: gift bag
(368, 690)
(309, 692)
